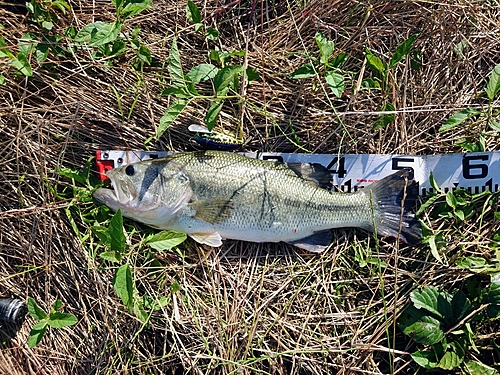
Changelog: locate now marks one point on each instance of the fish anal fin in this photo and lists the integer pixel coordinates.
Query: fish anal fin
(212, 210)
(314, 173)
(211, 239)
(315, 243)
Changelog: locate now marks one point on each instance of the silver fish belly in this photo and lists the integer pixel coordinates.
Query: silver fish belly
(215, 195)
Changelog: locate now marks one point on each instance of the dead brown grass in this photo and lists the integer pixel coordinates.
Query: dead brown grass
(244, 308)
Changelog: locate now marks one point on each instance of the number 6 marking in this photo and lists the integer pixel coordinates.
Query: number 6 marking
(468, 167)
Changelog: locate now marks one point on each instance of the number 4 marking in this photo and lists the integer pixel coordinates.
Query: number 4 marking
(341, 171)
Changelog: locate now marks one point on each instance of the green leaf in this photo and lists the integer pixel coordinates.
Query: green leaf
(36, 333)
(336, 83)
(99, 33)
(427, 331)
(59, 320)
(144, 54)
(375, 64)
(212, 34)
(35, 311)
(140, 312)
(427, 299)
(385, 119)
(122, 282)
(252, 75)
(431, 240)
(451, 200)
(339, 60)
(459, 117)
(116, 234)
(370, 83)
(402, 50)
(41, 52)
(212, 114)
(494, 125)
(174, 66)
(21, 63)
(166, 240)
(494, 296)
(226, 77)
(112, 256)
(460, 306)
(2, 79)
(56, 305)
(326, 47)
(192, 12)
(426, 359)
(479, 368)
(202, 72)
(170, 115)
(453, 358)
(305, 71)
(134, 7)
(493, 85)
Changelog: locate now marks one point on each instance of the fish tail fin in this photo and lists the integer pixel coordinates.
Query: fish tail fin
(393, 199)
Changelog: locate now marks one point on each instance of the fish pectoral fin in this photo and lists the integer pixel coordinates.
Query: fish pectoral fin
(212, 210)
(316, 242)
(211, 239)
(313, 173)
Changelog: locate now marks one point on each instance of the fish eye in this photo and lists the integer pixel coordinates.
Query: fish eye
(130, 170)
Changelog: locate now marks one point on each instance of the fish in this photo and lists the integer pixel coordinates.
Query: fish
(216, 195)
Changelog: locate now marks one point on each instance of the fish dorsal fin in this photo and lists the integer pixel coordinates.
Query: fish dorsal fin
(316, 242)
(211, 239)
(212, 210)
(313, 172)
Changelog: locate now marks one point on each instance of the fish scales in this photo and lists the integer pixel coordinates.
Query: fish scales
(214, 195)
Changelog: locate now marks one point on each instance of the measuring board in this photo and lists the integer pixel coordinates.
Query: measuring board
(475, 172)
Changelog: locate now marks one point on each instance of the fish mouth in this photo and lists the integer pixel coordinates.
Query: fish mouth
(120, 194)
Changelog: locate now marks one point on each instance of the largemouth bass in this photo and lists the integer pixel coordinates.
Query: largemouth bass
(216, 195)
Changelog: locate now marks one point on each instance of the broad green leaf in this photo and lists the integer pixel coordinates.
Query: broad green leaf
(21, 63)
(134, 7)
(212, 34)
(252, 74)
(429, 202)
(339, 60)
(179, 92)
(416, 59)
(192, 12)
(459, 117)
(494, 125)
(370, 83)
(166, 240)
(37, 333)
(4, 50)
(493, 85)
(170, 115)
(426, 299)
(375, 64)
(140, 312)
(212, 114)
(431, 240)
(453, 357)
(27, 43)
(111, 256)
(471, 263)
(59, 320)
(385, 119)
(494, 296)
(426, 359)
(175, 287)
(305, 71)
(226, 77)
(326, 47)
(174, 65)
(41, 52)
(2, 79)
(402, 50)
(202, 72)
(460, 306)
(198, 27)
(122, 282)
(144, 54)
(451, 200)
(35, 311)
(479, 368)
(336, 83)
(427, 331)
(99, 33)
(117, 3)
(116, 234)
(56, 305)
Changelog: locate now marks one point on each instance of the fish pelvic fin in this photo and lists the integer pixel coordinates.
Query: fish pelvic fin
(315, 243)
(393, 199)
(212, 210)
(211, 239)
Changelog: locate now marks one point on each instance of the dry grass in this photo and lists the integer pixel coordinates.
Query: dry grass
(243, 308)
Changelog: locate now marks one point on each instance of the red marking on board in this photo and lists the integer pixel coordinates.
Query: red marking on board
(103, 166)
